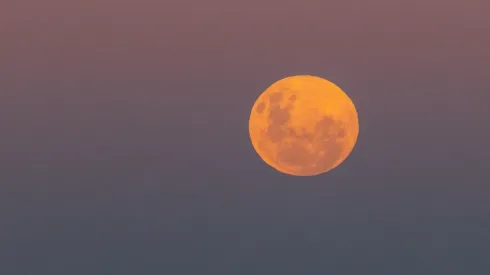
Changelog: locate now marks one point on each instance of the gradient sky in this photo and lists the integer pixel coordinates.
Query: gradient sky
(124, 142)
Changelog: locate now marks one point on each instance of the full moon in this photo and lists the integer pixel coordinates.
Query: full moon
(303, 125)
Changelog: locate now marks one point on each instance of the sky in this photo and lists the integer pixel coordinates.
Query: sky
(124, 142)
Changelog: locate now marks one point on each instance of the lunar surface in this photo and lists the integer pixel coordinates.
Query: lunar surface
(303, 125)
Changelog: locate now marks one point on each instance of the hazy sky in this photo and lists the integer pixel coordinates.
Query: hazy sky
(124, 143)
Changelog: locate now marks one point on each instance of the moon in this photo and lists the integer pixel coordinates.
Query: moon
(303, 125)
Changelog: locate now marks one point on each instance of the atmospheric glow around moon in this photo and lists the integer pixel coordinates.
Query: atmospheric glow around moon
(303, 125)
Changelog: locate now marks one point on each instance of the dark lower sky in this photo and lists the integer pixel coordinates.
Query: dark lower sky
(124, 143)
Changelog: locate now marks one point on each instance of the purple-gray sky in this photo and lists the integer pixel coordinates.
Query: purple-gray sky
(124, 142)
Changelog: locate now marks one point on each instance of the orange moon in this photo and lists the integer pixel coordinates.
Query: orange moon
(303, 125)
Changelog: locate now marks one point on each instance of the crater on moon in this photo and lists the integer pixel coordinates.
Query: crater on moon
(260, 107)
